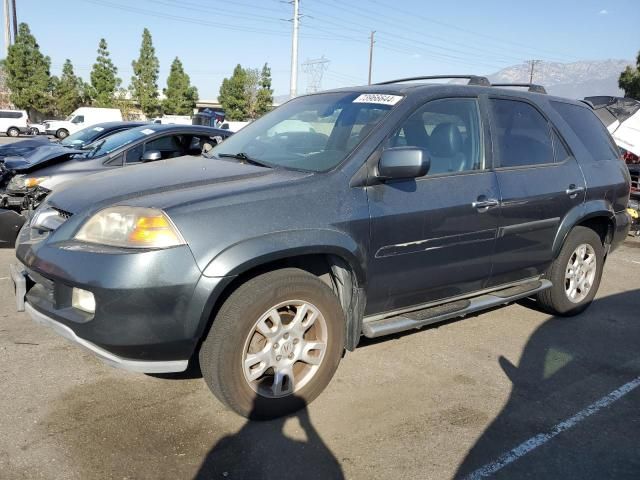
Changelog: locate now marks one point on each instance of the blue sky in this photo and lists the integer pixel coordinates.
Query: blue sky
(413, 36)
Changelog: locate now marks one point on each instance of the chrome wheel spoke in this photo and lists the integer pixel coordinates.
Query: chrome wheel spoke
(283, 382)
(271, 325)
(305, 355)
(256, 364)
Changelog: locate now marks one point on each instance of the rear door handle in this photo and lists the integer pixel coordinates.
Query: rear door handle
(573, 191)
(485, 204)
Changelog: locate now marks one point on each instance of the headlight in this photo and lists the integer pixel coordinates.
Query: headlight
(131, 227)
(21, 182)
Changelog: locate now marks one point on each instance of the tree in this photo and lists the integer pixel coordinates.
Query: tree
(68, 91)
(233, 95)
(144, 83)
(629, 80)
(265, 93)
(180, 95)
(104, 80)
(247, 93)
(27, 71)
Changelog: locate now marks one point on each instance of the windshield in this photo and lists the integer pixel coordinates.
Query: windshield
(70, 117)
(312, 133)
(82, 137)
(113, 142)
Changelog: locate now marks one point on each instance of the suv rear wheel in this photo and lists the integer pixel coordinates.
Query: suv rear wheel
(274, 345)
(575, 274)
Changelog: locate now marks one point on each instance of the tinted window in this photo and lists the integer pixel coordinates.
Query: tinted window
(10, 114)
(449, 130)
(521, 134)
(589, 129)
(78, 119)
(560, 150)
(83, 137)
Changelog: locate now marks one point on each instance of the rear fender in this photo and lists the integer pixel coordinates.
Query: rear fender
(579, 214)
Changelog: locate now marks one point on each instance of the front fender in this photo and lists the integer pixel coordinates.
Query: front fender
(256, 251)
(577, 215)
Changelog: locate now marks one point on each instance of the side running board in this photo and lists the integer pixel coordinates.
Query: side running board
(459, 308)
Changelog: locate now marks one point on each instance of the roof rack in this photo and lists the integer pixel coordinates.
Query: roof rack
(473, 79)
(532, 87)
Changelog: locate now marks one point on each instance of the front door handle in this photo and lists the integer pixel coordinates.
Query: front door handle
(573, 191)
(484, 204)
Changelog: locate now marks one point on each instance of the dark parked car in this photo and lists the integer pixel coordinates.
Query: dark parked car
(81, 138)
(26, 181)
(360, 211)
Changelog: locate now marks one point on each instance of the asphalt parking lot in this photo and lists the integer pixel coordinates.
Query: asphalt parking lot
(511, 393)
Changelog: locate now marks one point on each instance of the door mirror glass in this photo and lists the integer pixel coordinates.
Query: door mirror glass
(151, 156)
(403, 162)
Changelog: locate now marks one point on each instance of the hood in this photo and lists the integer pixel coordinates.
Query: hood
(169, 182)
(39, 156)
(627, 135)
(23, 146)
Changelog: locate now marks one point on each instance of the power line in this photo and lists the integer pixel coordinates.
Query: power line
(314, 70)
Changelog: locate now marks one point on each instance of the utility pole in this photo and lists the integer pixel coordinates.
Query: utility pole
(14, 16)
(533, 64)
(7, 28)
(371, 42)
(293, 84)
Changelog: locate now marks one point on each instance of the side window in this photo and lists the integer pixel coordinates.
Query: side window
(78, 119)
(134, 155)
(589, 129)
(521, 134)
(561, 153)
(449, 129)
(169, 146)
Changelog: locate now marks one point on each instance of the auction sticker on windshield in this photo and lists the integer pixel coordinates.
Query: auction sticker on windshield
(378, 98)
(98, 129)
(147, 131)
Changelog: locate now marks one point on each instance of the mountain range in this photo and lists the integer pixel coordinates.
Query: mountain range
(573, 80)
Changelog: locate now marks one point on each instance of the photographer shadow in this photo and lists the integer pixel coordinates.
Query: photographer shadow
(261, 450)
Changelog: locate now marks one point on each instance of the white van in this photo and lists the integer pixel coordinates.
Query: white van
(81, 118)
(13, 122)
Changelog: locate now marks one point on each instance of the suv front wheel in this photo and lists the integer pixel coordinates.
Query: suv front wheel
(274, 344)
(575, 273)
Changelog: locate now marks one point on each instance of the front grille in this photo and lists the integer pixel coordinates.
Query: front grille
(62, 213)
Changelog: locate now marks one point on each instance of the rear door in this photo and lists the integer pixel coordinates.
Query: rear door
(540, 181)
(429, 239)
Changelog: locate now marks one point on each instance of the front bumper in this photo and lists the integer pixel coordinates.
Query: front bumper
(166, 366)
(151, 306)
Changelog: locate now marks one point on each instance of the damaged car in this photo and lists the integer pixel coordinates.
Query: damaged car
(26, 181)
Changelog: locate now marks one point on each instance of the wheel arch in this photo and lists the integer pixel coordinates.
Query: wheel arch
(331, 255)
(597, 215)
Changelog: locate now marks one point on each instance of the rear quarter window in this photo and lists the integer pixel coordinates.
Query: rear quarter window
(589, 130)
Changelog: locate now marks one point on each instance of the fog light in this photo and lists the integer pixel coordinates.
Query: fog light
(83, 300)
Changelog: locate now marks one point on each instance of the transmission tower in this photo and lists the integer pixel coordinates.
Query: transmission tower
(314, 69)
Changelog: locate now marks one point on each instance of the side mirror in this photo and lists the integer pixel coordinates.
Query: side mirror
(403, 162)
(151, 156)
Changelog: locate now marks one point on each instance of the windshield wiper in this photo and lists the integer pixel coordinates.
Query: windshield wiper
(244, 158)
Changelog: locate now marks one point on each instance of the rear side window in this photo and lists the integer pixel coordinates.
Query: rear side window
(521, 134)
(10, 114)
(589, 129)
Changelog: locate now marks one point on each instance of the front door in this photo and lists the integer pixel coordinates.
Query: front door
(433, 237)
(540, 181)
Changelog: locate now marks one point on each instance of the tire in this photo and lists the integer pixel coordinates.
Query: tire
(34, 131)
(234, 341)
(13, 132)
(556, 300)
(62, 133)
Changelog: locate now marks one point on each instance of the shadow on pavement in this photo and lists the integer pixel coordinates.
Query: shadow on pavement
(568, 364)
(260, 450)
